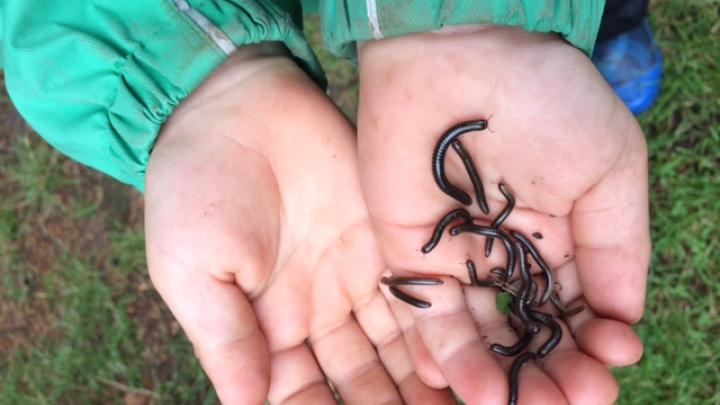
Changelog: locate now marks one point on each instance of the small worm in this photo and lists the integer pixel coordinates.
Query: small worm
(522, 302)
(472, 273)
(543, 265)
(515, 349)
(438, 159)
(514, 287)
(501, 217)
(495, 233)
(508, 288)
(442, 224)
(514, 371)
(475, 282)
(500, 272)
(410, 280)
(473, 174)
(409, 299)
(555, 336)
(533, 291)
(394, 281)
(564, 312)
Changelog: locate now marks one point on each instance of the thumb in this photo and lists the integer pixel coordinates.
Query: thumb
(610, 225)
(221, 324)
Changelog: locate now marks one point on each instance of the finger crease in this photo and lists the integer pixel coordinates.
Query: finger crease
(358, 372)
(457, 350)
(387, 340)
(330, 329)
(304, 388)
(438, 314)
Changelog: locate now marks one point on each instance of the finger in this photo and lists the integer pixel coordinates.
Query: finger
(582, 379)
(449, 333)
(377, 321)
(222, 327)
(534, 385)
(297, 379)
(349, 360)
(356, 288)
(360, 282)
(347, 276)
(194, 257)
(414, 391)
(543, 382)
(612, 342)
(423, 363)
(610, 227)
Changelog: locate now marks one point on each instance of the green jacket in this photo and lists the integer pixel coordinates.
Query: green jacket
(97, 79)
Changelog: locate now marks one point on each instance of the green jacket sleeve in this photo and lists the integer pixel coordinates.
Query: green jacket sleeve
(97, 79)
(347, 21)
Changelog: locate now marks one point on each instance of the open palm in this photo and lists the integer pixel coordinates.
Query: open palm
(573, 157)
(259, 242)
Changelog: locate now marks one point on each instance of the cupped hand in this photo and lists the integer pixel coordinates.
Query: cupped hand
(259, 242)
(575, 160)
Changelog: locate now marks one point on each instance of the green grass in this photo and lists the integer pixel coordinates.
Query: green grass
(681, 364)
(80, 322)
(36, 176)
(341, 74)
(108, 337)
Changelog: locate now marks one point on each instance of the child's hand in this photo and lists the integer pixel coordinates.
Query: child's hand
(259, 242)
(574, 158)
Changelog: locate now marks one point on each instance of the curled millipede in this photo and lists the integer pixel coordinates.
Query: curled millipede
(438, 159)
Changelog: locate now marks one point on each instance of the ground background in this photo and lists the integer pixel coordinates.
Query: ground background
(80, 322)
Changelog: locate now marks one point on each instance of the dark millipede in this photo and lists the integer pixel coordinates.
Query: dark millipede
(473, 174)
(404, 280)
(523, 290)
(515, 349)
(520, 361)
(555, 329)
(522, 302)
(438, 161)
(395, 281)
(501, 217)
(408, 299)
(495, 233)
(540, 261)
(459, 213)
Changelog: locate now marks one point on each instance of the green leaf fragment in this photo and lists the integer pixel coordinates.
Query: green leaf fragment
(502, 302)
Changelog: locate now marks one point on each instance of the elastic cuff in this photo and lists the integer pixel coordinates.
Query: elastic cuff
(347, 21)
(98, 80)
(253, 21)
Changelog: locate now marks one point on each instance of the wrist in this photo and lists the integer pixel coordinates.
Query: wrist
(259, 100)
(486, 47)
(235, 91)
(242, 68)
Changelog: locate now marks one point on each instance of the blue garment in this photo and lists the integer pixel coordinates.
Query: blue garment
(633, 65)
